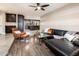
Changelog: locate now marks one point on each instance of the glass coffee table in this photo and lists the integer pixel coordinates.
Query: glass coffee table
(43, 37)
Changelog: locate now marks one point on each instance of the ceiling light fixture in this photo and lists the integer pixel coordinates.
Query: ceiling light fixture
(38, 7)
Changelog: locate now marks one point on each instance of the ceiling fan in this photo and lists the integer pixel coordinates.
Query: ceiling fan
(39, 6)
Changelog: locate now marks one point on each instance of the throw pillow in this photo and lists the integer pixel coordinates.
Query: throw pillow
(76, 37)
(58, 37)
(49, 31)
(76, 40)
(69, 36)
(17, 32)
(71, 32)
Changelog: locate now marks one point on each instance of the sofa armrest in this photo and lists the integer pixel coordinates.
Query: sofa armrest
(75, 53)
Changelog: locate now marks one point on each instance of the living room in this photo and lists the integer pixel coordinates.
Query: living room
(39, 29)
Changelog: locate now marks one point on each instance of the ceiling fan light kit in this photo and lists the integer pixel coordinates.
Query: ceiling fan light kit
(39, 6)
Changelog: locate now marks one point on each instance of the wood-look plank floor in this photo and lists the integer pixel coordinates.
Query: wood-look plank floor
(29, 49)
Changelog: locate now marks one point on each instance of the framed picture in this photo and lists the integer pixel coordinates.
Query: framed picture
(10, 17)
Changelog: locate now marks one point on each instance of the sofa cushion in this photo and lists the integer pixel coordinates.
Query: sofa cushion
(63, 46)
(59, 32)
(76, 42)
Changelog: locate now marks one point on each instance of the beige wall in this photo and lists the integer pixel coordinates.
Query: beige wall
(66, 18)
(2, 23)
(32, 17)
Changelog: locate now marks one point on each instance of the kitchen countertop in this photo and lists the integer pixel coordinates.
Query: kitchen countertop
(5, 43)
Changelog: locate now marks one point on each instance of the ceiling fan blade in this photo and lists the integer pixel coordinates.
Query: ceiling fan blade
(32, 6)
(43, 9)
(45, 5)
(36, 9)
(38, 4)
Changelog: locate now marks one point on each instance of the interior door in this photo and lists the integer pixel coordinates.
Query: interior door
(21, 22)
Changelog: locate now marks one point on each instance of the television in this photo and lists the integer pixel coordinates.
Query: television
(10, 17)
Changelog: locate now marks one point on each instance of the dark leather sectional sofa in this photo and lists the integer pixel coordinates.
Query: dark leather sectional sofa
(61, 47)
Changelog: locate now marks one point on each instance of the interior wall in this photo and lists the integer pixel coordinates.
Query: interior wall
(2, 23)
(32, 17)
(66, 18)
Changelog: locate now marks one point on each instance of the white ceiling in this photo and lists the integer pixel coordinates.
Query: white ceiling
(23, 8)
